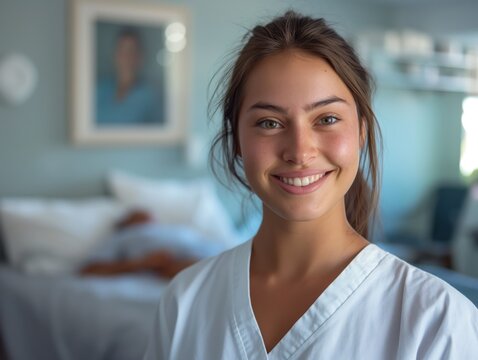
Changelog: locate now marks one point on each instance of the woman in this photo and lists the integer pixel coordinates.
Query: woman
(298, 123)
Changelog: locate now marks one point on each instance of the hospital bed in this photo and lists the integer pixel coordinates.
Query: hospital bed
(48, 311)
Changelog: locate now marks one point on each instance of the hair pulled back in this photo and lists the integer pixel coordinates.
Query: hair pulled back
(293, 31)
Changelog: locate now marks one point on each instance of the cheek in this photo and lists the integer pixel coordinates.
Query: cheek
(248, 151)
(251, 145)
(344, 148)
(254, 152)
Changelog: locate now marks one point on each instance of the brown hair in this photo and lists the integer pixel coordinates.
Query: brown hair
(316, 37)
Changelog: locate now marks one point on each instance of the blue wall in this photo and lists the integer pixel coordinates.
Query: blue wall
(37, 158)
(422, 129)
(422, 135)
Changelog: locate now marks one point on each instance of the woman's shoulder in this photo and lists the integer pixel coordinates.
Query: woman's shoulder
(435, 318)
(423, 293)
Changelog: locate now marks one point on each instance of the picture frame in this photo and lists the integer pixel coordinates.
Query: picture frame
(129, 73)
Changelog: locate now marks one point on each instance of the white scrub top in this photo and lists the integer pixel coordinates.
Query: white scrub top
(379, 307)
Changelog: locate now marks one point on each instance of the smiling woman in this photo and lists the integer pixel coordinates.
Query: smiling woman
(315, 134)
(299, 132)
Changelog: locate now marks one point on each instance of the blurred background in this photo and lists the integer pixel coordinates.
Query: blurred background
(62, 201)
(423, 54)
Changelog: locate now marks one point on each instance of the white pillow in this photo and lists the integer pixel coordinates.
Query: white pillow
(54, 236)
(171, 201)
(212, 219)
(187, 202)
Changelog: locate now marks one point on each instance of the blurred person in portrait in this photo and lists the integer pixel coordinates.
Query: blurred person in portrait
(125, 97)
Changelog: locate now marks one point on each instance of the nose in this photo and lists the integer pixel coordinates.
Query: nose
(300, 145)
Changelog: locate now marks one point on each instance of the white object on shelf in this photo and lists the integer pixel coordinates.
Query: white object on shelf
(413, 60)
(18, 78)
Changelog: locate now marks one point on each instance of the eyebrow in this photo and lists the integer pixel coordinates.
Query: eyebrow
(309, 107)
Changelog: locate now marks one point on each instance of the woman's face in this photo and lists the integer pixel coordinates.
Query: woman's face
(128, 56)
(299, 136)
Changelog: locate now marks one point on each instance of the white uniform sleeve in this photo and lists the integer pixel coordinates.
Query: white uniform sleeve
(454, 336)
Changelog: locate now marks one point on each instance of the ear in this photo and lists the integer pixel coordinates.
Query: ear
(363, 132)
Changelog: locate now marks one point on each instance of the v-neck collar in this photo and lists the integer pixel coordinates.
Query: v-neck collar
(319, 312)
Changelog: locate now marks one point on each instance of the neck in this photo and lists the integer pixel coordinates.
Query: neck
(123, 85)
(292, 249)
(126, 80)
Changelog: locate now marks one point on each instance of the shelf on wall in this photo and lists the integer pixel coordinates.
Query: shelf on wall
(418, 70)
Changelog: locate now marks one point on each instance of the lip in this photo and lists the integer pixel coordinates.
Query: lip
(301, 173)
(301, 190)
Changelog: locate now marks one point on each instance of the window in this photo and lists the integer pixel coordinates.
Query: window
(469, 145)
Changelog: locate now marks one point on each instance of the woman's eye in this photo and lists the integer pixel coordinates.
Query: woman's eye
(269, 124)
(328, 120)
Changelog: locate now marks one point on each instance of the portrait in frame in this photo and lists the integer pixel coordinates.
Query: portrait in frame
(129, 80)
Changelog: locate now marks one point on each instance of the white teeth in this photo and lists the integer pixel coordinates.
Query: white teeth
(304, 181)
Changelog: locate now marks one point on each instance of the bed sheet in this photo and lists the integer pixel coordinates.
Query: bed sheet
(73, 318)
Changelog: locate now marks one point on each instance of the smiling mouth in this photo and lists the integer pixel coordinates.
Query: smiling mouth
(302, 181)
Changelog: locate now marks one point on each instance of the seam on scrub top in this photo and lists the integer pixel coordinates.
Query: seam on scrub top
(234, 288)
(343, 302)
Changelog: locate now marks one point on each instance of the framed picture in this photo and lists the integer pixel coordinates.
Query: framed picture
(129, 73)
